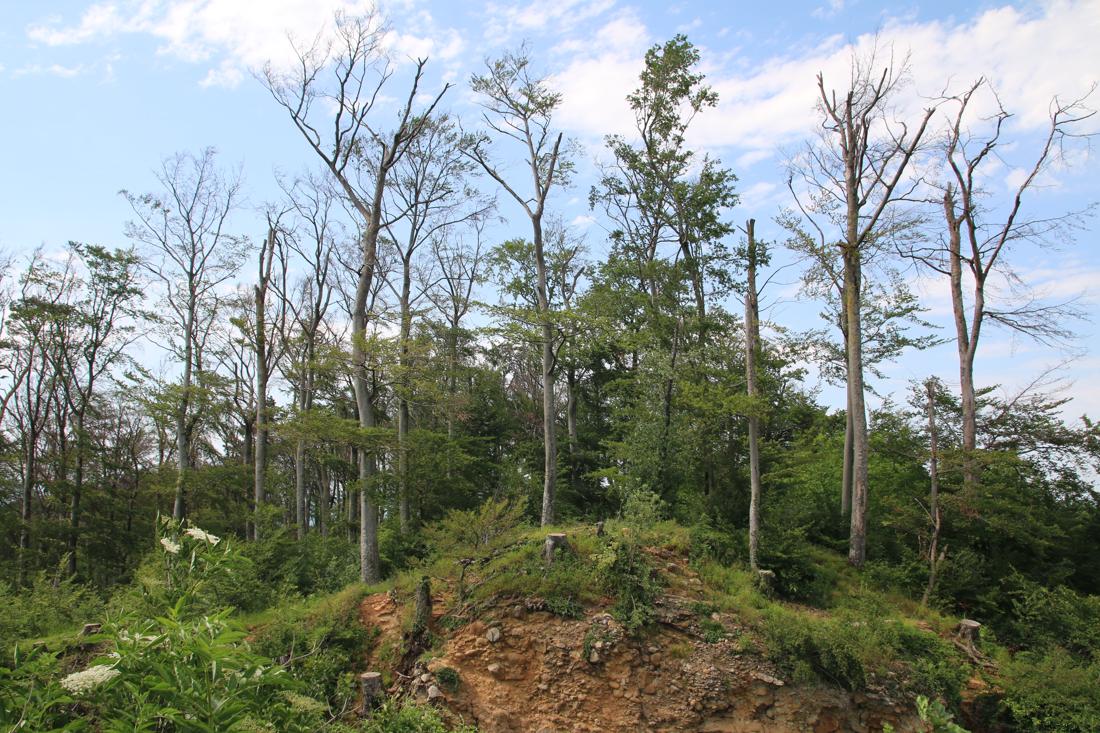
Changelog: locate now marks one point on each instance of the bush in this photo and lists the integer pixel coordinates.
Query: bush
(52, 603)
(407, 717)
(1044, 617)
(625, 572)
(321, 643)
(799, 573)
(1051, 692)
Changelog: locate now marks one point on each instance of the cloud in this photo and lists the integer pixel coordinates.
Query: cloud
(507, 20)
(770, 103)
(65, 72)
(232, 36)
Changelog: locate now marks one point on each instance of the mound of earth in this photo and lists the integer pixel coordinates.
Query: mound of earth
(518, 667)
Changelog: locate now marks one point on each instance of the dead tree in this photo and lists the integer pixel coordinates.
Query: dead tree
(346, 76)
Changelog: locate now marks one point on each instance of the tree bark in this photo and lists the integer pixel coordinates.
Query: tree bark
(752, 356)
(934, 492)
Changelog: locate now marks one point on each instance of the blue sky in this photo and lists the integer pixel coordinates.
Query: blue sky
(97, 93)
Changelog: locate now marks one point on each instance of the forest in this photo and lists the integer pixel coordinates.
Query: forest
(218, 443)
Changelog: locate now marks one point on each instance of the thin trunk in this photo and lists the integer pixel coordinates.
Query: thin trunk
(30, 467)
(404, 506)
(752, 356)
(301, 515)
(78, 488)
(966, 338)
(934, 493)
(846, 472)
(571, 423)
(183, 438)
(549, 403)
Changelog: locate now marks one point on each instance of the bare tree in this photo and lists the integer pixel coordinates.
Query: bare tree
(312, 239)
(854, 176)
(429, 196)
(519, 107)
(980, 233)
(347, 76)
(190, 253)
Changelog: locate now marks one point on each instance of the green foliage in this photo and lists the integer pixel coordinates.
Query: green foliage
(1042, 617)
(861, 640)
(626, 573)
(800, 572)
(407, 717)
(447, 678)
(52, 602)
(321, 643)
(1051, 692)
(174, 662)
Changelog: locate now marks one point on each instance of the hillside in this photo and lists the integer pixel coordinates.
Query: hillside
(627, 632)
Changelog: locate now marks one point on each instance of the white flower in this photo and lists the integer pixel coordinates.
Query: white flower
(170, 546)
(92, 677)
(198, 534)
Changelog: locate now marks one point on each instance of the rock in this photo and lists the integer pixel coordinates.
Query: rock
(434, 693)
(594, 657)
(494, 669)
(768, 679)
(519, 612)
(425, 678)
(90, 629)
(493, 635)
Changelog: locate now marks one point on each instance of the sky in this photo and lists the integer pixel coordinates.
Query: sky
(97, 93)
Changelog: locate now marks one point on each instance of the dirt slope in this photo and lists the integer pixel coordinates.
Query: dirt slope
(520, 668)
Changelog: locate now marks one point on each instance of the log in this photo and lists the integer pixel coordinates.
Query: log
(554, 542)
(371, 685)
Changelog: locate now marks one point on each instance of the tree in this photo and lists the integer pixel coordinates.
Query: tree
(102, 323)
(753, 256)
(360, 156)
(855, 176)
(666, 203)
(519, 106)
(980, 234)
(428, 198)
(312, 200)
(190, 253)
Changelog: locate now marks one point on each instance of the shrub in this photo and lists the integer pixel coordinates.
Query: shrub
(1051, 692)
(799, 574)
(52, 603)
(625, 573)
(394, 717)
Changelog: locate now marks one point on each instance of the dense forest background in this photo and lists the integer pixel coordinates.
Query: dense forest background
(415, 332)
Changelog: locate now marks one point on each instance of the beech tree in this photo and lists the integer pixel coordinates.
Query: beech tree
(190, 252)
(980, 233)
(854, 177)
(519, 107)
(347, 76)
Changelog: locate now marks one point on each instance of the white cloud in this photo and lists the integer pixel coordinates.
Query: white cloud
(507, 20)
(65, 72)
(235, 36)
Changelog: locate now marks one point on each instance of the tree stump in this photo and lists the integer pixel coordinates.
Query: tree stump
(465, 563)
(90, 629)
(967, 631)
(371, 685)
(766, 582)
(554, 541)
(422, 614)
(599, 529)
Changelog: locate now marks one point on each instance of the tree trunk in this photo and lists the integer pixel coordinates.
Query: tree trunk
(857, 541)
(183, 437)
(549, 403)
(846, 471)
(966, 338)
(78, 490)
(571, 424)
(752, 348)
(934, 492)
(404, 507)
(301, 514)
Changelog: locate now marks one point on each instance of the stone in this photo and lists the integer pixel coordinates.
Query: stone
(494, 669)
(90, 629)
(594, 657)
(434, 693)
(768, 679)
(493, 635)
(425, 678)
